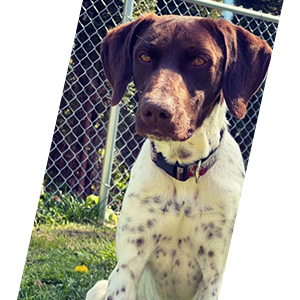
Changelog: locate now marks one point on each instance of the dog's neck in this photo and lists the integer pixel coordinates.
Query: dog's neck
(204, 140)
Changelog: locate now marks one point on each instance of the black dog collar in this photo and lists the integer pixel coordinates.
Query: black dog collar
(184, 172)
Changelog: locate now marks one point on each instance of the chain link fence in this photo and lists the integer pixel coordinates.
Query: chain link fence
(78, 145)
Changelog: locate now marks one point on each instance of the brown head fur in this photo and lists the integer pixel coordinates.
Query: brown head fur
(175, 93)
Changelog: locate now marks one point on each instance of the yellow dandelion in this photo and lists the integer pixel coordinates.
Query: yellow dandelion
(81, 269)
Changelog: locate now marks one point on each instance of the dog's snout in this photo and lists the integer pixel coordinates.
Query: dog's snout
(157, 114)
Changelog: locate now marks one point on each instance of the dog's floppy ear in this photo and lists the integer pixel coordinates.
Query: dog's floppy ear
(247, 62)
(116, 55)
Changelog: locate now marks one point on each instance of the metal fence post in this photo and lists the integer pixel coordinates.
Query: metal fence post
(111, 135)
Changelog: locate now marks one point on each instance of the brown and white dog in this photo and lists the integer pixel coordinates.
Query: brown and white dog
(179, 210)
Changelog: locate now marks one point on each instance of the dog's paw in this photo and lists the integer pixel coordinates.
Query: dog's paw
(98, 291)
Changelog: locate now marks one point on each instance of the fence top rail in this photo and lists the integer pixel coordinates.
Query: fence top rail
(237, 9)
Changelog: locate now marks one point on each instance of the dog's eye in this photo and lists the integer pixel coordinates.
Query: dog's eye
(145, 58)
(198, 62)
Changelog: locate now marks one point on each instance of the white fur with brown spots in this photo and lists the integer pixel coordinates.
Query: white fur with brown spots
(173, 237)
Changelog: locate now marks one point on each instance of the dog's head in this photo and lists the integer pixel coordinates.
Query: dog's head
(182, 68)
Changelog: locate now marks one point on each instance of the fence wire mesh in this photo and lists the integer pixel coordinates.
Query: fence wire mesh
(78, 145)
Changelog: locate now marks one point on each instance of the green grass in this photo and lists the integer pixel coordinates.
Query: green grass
(56, 250)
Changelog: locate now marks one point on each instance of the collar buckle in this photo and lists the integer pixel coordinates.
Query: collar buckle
(197, 172)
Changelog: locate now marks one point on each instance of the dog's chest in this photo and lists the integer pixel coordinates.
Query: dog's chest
(174, 263)
(190, 230)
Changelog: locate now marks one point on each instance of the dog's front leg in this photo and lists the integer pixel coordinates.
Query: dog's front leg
(210, 289)
(137, 237)
(212, 256)
(134, 245)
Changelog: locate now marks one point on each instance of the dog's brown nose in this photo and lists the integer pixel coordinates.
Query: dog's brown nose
(157, 114)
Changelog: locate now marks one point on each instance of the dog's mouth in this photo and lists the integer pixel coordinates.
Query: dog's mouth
(165, 135)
